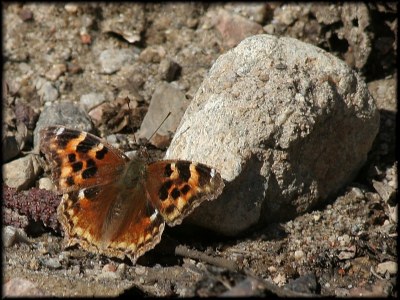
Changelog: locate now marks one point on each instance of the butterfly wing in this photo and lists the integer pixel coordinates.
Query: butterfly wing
(127, 225)
(79, 159)
(98, 211)
(177, 187)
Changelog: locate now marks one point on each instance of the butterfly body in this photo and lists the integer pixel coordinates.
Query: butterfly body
(116, 206)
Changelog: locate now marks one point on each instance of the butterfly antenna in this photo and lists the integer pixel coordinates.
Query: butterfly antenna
(159, 126)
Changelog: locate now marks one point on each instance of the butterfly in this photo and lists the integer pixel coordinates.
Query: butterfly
(115, 206)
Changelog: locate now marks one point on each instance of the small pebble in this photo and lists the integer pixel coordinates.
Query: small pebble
(51, 263)
(91, 100)
(45, 183)
(9, 236)
(12, 235)
(71, 8)
(387, 266)
(298, 254)
(20, 287)
(272, 269)
(139, 270)
(317, 217)
(56, 71)
(109, 268)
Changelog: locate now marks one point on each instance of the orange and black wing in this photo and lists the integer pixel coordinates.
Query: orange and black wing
(177, 187)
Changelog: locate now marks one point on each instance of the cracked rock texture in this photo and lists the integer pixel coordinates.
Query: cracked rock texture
(286, 123)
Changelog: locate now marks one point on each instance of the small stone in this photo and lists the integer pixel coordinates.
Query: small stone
(45, 183)
(92, 100)
(109, 268)
(393, 213)
(121, 269)
(387, 266)
(56, 71)
(299, 255)
(110, 271)
(280, 279)
(51, 263)
(10, 235)
(317, 217)
(111, 60)
(152, 54)
(234, 28)
(25, 15)
(21, 173)
(347, 252)
(86, 38)
(71, 8)
(48, 92)
(19, 287)
(140, 270)
(357, 192)
(272, 269)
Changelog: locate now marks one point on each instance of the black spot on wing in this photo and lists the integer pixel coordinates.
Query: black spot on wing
(65, 137)
(70, 181)
(167, 170)
(169, 209)
(163, 193)
(101, 153)
(183, 169)
(175, 193)
(71, 157)
(90, 172)
(90, 163)
(91, 193)
(185, 189)
(87, 144)
(76, 167)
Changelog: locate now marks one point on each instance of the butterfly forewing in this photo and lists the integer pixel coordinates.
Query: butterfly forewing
(80, 159)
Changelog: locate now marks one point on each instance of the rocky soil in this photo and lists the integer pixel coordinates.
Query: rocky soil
(116, 71)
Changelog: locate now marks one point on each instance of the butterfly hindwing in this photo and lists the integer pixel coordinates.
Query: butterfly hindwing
(177, 187)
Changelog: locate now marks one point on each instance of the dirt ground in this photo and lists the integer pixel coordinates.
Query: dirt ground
(347, 247)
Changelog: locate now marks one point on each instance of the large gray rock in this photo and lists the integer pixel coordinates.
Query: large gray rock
(286, 123)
